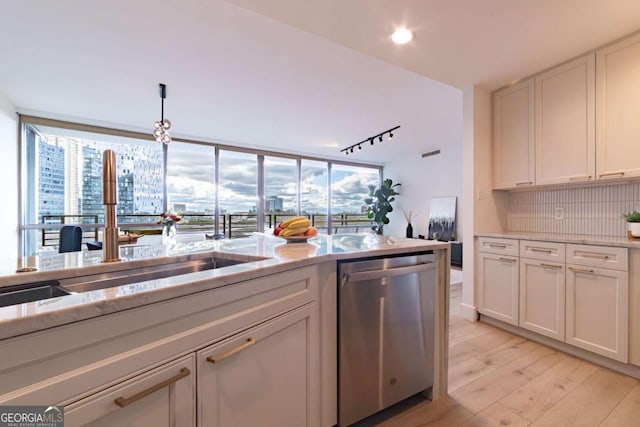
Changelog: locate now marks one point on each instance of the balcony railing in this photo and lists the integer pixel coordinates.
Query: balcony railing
(231, 225)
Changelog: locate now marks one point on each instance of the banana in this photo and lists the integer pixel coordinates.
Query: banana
(303, 222)
(293, 231)
(286, 223)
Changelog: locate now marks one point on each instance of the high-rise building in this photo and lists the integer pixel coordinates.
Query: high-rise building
(50, 178)
(274, 204)
(92, 182)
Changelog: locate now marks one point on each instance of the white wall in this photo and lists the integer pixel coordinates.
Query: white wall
(9, 180)
(484, 210)
(424, 178)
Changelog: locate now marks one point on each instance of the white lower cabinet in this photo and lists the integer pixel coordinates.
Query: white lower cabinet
(165, 396)
(542, 297)
(597, 312)
(498, 276)
(267, 375)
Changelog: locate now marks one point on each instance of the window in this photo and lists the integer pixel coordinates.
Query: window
(191, 185)
(62, 176)
(238, 192)
(280, 190)
(314, 192)
(64, 180)
(349, 188)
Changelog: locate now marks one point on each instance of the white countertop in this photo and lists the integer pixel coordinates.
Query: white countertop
(566, 238)
(263, 255)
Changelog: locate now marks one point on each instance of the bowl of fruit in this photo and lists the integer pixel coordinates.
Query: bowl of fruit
(295, 230)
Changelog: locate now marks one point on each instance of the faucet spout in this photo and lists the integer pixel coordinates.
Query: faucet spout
(110, 247)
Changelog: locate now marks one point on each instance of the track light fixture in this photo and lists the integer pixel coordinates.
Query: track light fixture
(162, 126)
(370, 139)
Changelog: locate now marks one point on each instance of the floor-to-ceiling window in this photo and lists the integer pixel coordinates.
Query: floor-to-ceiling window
(349, 188)
(245, 190)
(191, 188)
(280, 190)
(238, 192)
(314, 192)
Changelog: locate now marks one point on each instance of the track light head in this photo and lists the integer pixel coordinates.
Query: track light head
(390, 135)
(371, 141)
(380, 138)
(352, 149)
(359, 147)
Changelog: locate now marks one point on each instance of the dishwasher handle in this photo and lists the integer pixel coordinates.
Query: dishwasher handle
(391, 272)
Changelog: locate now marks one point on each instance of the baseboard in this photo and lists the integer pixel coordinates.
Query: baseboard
(468, 312)
(624, 368)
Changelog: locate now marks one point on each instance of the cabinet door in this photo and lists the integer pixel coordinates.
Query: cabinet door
(542, 297)
(267, 375)
(499, 287)
(597, 310)
(513, 136)
(618, 109)
(565, 123)
(164, 396)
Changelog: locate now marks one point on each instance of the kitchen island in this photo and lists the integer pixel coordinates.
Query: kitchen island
(275, 307)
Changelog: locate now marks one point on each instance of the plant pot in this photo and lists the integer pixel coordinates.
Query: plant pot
(634, 228)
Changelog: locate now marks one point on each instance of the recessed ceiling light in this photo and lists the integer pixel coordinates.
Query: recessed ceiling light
(402, 36)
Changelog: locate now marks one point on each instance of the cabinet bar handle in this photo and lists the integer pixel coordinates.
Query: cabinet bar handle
(524, 183)
(580, 178)
(580, 270)
(507, 259)
(495, 245)
(612, 174)
(546, 251)
(124, 401)
(595, 256)
(222, 356)
(549, 266)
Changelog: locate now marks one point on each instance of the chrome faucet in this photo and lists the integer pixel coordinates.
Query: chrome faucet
(110, 248)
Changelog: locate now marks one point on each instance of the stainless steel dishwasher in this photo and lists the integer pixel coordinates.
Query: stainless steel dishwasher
(386, 321)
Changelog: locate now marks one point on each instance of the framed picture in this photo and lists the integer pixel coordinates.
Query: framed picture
(442, 219)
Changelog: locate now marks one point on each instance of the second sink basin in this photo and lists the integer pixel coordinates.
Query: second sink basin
(141, 274)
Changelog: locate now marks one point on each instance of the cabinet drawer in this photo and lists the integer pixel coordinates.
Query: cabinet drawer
(597, 256)
(544, 251)
(162, 396)
(498, 246)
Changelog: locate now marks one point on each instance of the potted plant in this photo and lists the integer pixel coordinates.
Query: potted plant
(633, 219)
(379, 202)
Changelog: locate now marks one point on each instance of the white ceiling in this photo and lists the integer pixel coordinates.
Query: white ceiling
(235, 75)
(462, 42)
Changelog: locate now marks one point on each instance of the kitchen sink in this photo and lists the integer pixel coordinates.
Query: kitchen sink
(142, 274)
(20, 294)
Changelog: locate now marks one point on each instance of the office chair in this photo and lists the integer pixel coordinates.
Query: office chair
(70, 239)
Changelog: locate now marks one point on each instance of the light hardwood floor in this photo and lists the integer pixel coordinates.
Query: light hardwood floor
(500, 379)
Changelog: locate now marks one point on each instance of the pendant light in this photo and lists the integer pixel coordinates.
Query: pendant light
(162, 126)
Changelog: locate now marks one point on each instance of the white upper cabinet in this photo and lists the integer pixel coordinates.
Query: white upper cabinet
(565, 123)
(513, 136)
(618, 109)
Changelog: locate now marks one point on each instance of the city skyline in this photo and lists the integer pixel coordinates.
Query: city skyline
(190, 179)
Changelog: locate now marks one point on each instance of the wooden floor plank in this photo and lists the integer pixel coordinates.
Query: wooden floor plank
(471, 369)
(478, 345)
(590, 402)
(538, 395)
(444, 412)
(627, 413)
(496, 415)
(487, 390)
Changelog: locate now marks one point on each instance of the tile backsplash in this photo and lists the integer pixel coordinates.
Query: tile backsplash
(595, 211)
